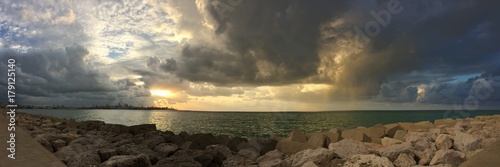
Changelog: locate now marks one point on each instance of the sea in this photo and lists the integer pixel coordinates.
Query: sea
(255, 124)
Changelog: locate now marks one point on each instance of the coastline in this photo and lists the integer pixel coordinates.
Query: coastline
(443, 142)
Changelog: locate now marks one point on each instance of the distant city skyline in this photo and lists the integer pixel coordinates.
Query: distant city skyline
(253, 55)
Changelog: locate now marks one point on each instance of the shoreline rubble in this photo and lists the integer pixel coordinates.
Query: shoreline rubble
(444, 142)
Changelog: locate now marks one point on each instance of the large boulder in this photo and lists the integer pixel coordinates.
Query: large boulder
(400, 135)
(235, 143)
(203, 140)
(222, 139)
(292, 147)
(219, 152)
(272, 159)
(423, 145)
(375, 132)
(176, 139)
(296, 135)
(44, 143)
(90, 125)
(367, 160)
(176, 162)
(392, 152)
(238, 161)
(115, 128)
(166, 149)
(465, 142)
(133, 149)
(355, 134)
(386, 141)
(153, 141)
(347, 148)
(250, 152)
(106, 153)
(127, 161)
(445, 122)
(87, 158)
(448, 157)
(444, 142)
(264, 145)
(320, 156)
(141, 129)
(404, 160)
(58, 144)
(390, 129)
(332, 137)
(317, 139)
(202, 157)
(424, 125)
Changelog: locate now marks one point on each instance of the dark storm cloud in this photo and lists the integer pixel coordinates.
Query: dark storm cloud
(270, 42)
(62, 76)
(278, 43)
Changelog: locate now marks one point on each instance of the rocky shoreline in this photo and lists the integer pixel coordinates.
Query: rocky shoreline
(444, 142)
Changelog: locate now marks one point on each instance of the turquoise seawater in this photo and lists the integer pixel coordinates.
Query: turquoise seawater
(254, 123)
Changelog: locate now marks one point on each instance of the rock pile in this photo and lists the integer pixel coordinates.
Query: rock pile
(445, 142)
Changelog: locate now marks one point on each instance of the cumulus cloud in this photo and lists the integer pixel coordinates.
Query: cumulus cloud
(64, 73)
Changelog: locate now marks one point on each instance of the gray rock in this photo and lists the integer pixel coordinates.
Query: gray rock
(317, 139)
(58, 144)
(367, 160)
(127, 161)
(392, 152)
(87, 158)
(465, 142)
(235, 142)
(174, 139)
(141, 129)
(320, 156)
(222, 139)
(355, 134)
(332, 137)
(272, 159)
(44, 143)
(297, 135)
(445, 122)
(166, 149)
(219, 152)
(115, 128)
(153, 141)
(309, 164)
(264, 145)
(347, 148)
(250, 153)
(191, 145)
(443, 142)
(448, 157)
(404, 160)
(391, 129)
(386, 141)
(90, 125)
(238, 161)
(133, 149)
(292, 147)
(178, 162)
(198, 155)
(106, 153)
(400, 134)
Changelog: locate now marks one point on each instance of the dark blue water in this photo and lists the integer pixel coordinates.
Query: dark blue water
(254, 123)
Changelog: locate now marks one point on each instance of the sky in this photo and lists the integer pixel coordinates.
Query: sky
(254, 55)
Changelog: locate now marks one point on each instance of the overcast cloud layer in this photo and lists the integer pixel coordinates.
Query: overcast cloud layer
(254, 54)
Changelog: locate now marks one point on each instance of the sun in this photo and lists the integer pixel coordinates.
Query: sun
(162, 93)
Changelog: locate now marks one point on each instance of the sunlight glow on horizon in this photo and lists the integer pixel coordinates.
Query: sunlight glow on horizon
(162, 93)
